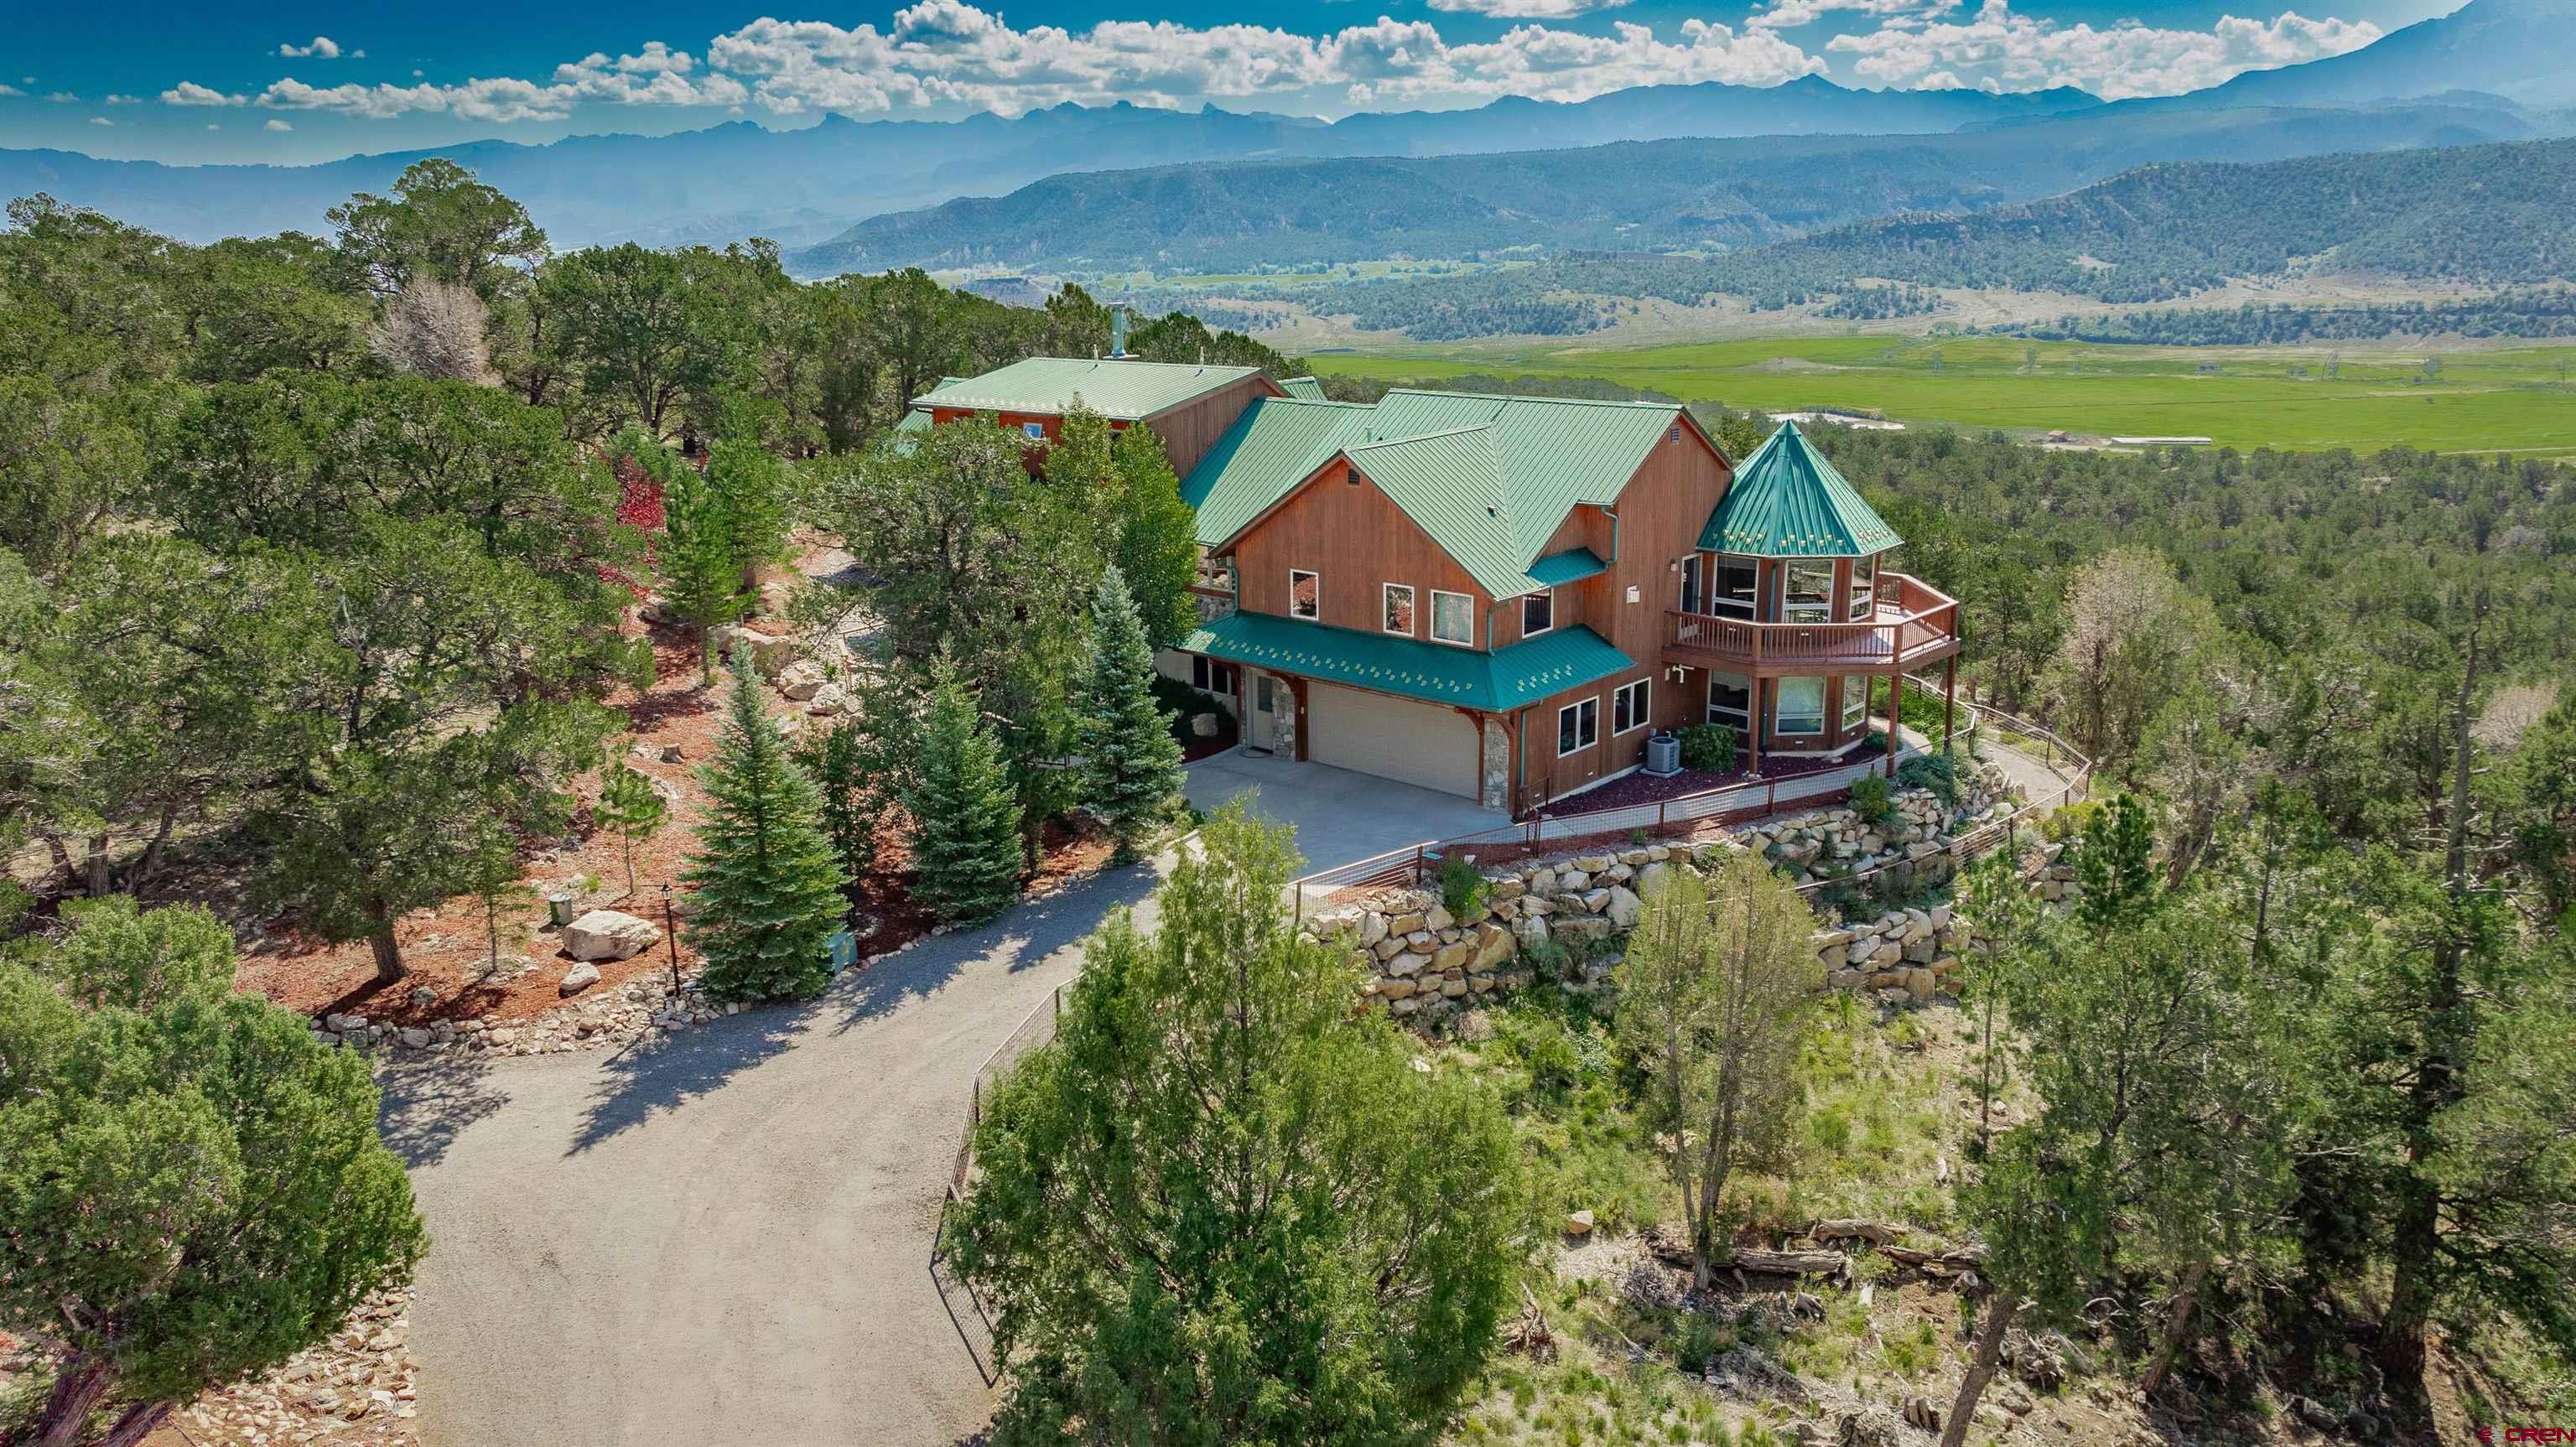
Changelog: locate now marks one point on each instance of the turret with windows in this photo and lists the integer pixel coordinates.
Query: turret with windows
(1787, 611)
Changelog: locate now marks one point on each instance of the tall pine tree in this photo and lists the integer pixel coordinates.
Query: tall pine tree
(701, 574)
(1131, 764)
(768, 886)
(966, 846)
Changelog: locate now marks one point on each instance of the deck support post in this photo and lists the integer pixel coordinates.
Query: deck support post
(1753, 731)
(1949, 699)
(1895, 702)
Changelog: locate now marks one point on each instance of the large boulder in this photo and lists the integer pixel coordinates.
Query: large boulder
(1622, 907)
(605, 934)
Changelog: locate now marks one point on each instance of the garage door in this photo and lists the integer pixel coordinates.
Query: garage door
(1417, 743)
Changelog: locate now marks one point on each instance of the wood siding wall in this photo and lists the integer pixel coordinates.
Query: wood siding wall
(1353, 539)
(1189, 430)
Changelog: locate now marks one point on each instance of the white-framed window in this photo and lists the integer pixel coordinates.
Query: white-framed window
(1453, 618)
(1209, 676)
(1578, 726)
(1631, 706)
(1305, 594)
(1855, 703)
(1733, 591)
(1807, 591)
(1864, 590)
(1730, 700)
(1034, 431)
(1395, 608)
(1538, 613)
(1800, 708)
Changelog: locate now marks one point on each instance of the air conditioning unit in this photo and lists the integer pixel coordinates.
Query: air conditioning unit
(1663, 755)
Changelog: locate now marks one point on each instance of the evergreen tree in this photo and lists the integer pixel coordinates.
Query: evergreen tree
(701, 574)
(192, 1186)
(629, 808)
(838, 760)
(1131, 764)
(966, 848)
(1219, 1208)
(768, 889)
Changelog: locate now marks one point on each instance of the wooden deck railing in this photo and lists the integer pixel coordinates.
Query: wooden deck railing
(1915, 624)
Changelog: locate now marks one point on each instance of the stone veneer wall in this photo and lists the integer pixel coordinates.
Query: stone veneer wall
(1420, 961)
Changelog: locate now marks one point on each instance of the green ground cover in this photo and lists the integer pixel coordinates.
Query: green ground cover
(2306, 398)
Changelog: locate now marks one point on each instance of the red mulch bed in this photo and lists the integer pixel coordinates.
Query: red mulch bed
(446, 948)
(1644, 788)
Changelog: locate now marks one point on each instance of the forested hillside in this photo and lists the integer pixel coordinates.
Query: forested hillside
(2476, 215)
(1681, 194)
(2524, 312)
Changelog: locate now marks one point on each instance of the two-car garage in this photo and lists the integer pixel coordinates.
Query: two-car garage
(1372, 733)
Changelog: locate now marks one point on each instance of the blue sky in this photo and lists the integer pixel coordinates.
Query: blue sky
(295, 83)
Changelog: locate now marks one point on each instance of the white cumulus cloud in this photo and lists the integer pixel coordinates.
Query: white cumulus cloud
(1527, 9)
(275, 124)
(189, 93)
(2022, 52)
(955, 54)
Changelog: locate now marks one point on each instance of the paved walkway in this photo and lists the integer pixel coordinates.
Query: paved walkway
(721, 1236)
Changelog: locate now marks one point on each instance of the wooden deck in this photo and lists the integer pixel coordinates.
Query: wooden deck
(1915, 624)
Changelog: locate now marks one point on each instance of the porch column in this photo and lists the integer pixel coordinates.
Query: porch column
(1753, 730)
(1895, 698)
(1949, 699)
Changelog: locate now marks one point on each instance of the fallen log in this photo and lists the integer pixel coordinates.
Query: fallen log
(1877, 1233)
(1961, 1260)
(1791, 1263)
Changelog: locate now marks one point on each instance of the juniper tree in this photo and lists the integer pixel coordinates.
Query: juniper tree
(630, 808)
(1219, 1208)
(192, 1186)
(1713, 994)
(1131, 764)
(965, 848)
(768, 889)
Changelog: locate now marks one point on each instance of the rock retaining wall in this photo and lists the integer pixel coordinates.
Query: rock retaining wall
(1420, 960)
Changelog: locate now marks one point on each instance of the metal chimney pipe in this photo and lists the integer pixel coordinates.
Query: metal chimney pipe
(1118, 331)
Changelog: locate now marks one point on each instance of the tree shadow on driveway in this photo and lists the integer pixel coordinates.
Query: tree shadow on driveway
(427, 1104)
(1028, 935)
(665, 1071)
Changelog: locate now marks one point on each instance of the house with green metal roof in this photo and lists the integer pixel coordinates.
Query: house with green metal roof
(1187, 406)
(1505, 598)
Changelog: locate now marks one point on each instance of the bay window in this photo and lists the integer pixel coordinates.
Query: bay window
(1801, 707)
(1864, 590)
(1855, 703)
(1808, 592)
(1735, 586)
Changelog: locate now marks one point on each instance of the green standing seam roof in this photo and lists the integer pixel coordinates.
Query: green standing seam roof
(1571, 566)
(1410, 668)
(1304, 388)
(1491, 503)
(1123, 388)
(1788, 502)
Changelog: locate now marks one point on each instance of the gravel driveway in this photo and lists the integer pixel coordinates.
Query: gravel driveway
(721, 1236)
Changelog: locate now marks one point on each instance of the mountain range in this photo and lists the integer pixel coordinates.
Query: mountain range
(1633, 196)
(809, 186)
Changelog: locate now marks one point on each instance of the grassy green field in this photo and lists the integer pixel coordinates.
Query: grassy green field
(2308, 398)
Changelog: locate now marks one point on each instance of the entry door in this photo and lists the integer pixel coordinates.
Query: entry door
(1265, 711)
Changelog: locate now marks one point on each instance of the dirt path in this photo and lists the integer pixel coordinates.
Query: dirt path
(723, 1235)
